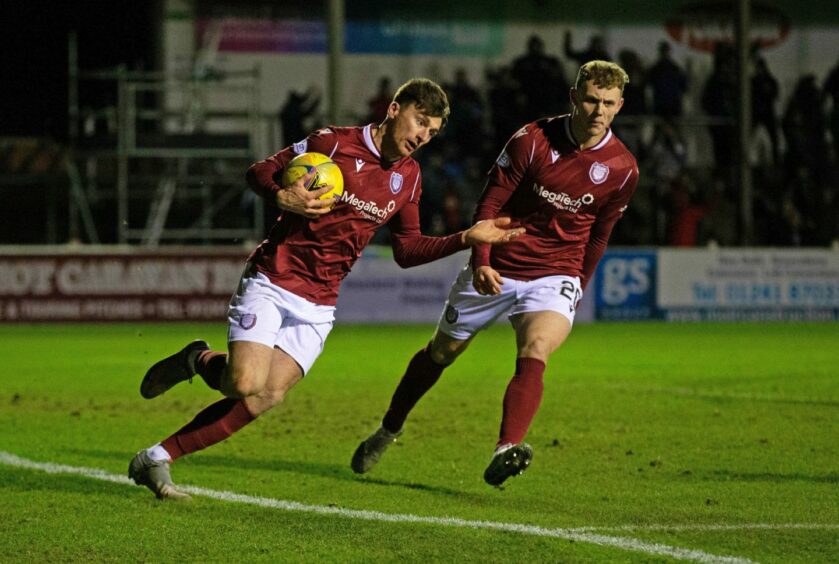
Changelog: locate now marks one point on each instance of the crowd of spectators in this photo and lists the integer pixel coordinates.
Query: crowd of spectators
(682, 200)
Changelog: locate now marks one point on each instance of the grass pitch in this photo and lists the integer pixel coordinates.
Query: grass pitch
(654, 442)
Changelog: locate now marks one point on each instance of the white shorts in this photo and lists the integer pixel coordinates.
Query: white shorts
(261, 312)
(467, 312)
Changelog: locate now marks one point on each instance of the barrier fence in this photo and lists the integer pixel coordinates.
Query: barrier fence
(713, 284)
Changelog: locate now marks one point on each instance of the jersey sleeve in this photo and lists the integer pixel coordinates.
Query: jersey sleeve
(602, 227)
(506, 174)
(410, 246)
(263, 177)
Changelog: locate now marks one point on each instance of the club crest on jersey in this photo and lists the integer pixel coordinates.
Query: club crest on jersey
(503, 159)
(598, 173)
(451, 314)
(247, 321)
(300, 147)
(395, 182)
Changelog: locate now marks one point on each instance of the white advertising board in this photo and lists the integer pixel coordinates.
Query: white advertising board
(379, 291)
(748, 283)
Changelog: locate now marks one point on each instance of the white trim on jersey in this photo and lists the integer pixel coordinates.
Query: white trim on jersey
(368, 140)
(334, 149)
(625, 179)
(414, 189)
(602, 141)
(570, 135)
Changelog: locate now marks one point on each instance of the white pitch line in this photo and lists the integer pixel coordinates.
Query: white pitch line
(623, 543)
(710, 528)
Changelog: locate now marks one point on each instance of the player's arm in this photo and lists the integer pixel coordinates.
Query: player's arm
(602, 227)
(506, 174)
(264, 176)
(412, 248)
(485, 279)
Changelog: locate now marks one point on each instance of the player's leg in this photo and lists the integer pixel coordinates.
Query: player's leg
(253, 315)
(256, 378)
(465, 314)
(172, 370)
(195, 358)
(257, 373)
(542, 319)
(423, 371)
(537, 336)
(285, 373)
(216, 422)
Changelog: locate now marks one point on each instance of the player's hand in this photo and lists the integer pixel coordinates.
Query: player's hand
(487, 281)
(491, 231)
(295, 198)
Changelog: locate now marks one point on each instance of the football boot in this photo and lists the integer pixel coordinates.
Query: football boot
(508, 462)
(171, 370)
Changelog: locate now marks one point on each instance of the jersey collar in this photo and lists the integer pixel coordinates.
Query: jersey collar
(368, 140)
(599, 145)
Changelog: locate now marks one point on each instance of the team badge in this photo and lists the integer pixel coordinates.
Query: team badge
(451, 314)
(247, 321)
(301, 146)
(503, 159)
(598, 173)
(395, 182)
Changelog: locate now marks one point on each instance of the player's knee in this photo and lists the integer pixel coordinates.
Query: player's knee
(441, 359)
(538, 347)
(242, 385)
(444, 352)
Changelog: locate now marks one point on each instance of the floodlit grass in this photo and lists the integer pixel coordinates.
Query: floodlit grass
(680, 435)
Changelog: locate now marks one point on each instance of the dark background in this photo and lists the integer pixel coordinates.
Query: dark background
(34, 50)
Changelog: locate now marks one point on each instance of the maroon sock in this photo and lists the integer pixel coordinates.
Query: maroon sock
(210, 366)
(214, 424)
(521, 401)
(421, 374)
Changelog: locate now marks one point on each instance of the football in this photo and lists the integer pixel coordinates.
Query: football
(326, 172)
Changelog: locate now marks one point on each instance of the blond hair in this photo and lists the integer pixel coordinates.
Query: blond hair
(604, 74)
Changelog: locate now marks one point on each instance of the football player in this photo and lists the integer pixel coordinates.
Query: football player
(567, 180)
(283, 308)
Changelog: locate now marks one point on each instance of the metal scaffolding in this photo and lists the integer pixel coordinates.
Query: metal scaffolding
(166, 153)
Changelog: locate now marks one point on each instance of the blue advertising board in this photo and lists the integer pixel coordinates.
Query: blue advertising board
(625, 285)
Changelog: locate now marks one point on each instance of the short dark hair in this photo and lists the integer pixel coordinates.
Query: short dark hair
(427, 95)
(604, 74)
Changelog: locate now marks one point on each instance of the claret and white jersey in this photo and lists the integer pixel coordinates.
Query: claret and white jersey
(310, 257)
(567, 199)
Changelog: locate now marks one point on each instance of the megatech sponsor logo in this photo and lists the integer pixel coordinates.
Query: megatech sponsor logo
(370, 210)
(562, 200)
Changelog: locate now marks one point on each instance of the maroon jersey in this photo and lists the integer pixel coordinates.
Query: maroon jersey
(567, 199)
(310, 257)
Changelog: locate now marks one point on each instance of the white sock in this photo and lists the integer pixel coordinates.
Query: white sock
(157, 453)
